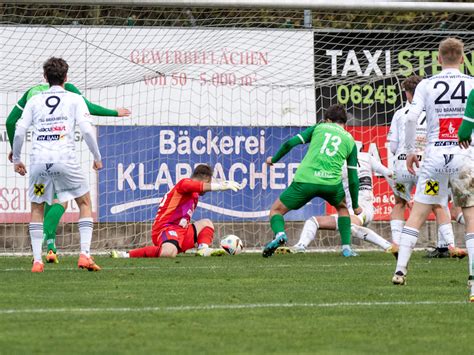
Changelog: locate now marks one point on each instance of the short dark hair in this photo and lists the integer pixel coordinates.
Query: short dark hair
(55, 71)
(410, 83)
(202, 171)
(336, 113)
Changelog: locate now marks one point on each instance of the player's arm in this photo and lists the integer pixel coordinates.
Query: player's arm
(95, 109)
(379, 168)
(14, 116)
(301, 138)
(393, 137)
(20, 132)
(353, 178)
(85, 125)
(467, 125)
(416, 108)
(187, 186)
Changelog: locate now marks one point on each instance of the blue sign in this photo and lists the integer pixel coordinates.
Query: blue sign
(142, 163)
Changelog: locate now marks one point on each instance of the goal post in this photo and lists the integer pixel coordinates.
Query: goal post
(224, 84)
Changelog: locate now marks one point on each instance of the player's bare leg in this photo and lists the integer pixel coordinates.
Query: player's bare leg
(36, 235)
(469, 237)
(85, 230)
(277, 223)
(408, 239)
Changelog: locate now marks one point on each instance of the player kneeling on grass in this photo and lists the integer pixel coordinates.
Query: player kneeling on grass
(172, 232)
(367, 166)
(319, 175)
(54, 169)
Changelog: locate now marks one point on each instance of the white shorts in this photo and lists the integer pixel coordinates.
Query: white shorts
(404, 181)
(66, 180)
(441, 169)
(368, 211)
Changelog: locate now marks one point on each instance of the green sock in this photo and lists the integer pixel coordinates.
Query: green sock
(344, 225)
(278, 224)
(52, 216)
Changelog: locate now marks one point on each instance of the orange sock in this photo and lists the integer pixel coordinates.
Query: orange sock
(146, 252)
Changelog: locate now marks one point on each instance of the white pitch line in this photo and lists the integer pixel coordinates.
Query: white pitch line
(209, 267)
(226, 307)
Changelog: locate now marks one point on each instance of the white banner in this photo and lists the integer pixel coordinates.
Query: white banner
(170, 76)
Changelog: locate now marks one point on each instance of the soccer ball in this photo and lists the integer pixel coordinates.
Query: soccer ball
(232, 244)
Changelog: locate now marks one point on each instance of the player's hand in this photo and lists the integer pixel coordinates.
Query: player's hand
(412, 159)
(358, 210)
(97, 165)
(269, 161)
(123, 112)
(465, 144)
(10, 156)
(20, 168)
(226, 185)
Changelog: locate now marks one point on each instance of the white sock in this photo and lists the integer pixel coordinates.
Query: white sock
(85, 230)
(446, 234)
(470, 250)
(460, 219)
(370, 236)
(308, 234)
(441, 242)
(396, 225)
(36, 235)
(407, 243)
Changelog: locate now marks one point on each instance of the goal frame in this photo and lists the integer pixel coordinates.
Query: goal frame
(341, 5)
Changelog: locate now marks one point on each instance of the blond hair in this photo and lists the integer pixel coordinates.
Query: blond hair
(451, 51)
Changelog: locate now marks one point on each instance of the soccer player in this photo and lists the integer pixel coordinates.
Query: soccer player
(54, 169)
(443, 97)
(172, 232)
(54, 212)
(319, 175)
(367, 166)
(467, 176)
(405, 181)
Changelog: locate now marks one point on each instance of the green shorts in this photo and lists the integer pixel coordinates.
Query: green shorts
(299, 194)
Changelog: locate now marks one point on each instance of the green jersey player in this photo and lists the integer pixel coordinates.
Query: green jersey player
(319, 175)
(53, 213)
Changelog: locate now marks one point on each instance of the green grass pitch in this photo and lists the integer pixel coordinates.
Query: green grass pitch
(311, 303)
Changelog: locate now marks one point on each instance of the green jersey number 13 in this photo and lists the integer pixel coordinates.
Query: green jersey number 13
(332, 150)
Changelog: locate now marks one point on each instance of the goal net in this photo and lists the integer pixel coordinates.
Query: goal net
(224, 87)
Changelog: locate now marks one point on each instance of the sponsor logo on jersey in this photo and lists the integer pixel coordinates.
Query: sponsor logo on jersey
(400, 188)
(38, 189)
(48, 166)
(448, 128)
(432, 188)
(52, 129)
(49, 137)
(448, 158)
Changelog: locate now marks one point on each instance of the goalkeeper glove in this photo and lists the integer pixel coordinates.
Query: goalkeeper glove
(225, 185)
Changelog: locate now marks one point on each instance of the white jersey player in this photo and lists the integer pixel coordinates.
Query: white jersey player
(443, 97)
(368, 165)
(53, 114)
(404, 181)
